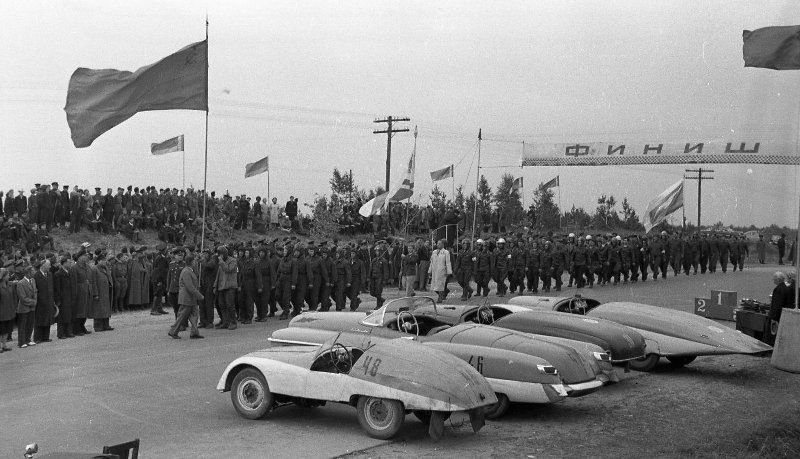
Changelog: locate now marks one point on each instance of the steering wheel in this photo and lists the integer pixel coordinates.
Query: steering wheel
(580, 309)
(485, 315)
(339, 364)
(403, 324)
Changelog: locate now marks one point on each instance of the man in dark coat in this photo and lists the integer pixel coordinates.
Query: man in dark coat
(781, 297)
(208, 273)
(75, 210)
(45, 303)
(65, 291)
(160, 270)
(781, 248)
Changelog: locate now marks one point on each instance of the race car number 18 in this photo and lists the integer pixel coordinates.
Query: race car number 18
(371, 369)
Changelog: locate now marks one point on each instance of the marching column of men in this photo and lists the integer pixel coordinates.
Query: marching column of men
(540, 261)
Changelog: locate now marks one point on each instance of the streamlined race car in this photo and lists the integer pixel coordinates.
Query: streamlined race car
(383, 381)
(521, 367)
(679, 336)
(620, 342)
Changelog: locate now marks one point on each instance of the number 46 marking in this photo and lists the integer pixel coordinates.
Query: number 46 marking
(478, 362)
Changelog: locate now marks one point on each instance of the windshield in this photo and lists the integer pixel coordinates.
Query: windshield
(390, 310)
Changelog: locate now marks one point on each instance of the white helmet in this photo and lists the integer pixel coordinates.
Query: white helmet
(479, 241)
(618, 238)
(501, 241)
(571, 235)
(588, 237)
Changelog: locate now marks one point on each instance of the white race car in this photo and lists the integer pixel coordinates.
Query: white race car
(383, 381)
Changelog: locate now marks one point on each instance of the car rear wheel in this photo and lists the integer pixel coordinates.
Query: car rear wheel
(500, 408)
(379, 417)
(681, 360)
(646, 363)
(250, 394)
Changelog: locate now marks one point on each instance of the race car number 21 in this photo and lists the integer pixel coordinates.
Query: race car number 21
(478, 362)
(371, 365)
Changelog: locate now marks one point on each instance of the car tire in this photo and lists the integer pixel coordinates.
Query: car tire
(250, 394)
(681, 360)
(381, 418)
(646, 363)
(499, 409)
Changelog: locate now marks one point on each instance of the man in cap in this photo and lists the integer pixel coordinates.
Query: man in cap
(188, 296)
(464, 268)
(502, 260)
(225, 286)
(159, 278)
(379, 273)
(484, 265)
(424, 257)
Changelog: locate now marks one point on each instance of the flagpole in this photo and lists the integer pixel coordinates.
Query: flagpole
(183, 154)
(205, 157)
(477, 184)
(559, 204)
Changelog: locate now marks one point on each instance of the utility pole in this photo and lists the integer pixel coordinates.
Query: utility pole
(389, 131)
(699, 179)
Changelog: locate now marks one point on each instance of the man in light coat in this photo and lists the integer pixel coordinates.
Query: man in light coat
(440, 269)
(188, 295)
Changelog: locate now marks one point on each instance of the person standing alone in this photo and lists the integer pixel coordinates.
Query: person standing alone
(188, 295)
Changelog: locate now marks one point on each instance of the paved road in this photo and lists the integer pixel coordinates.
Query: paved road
(136, 382)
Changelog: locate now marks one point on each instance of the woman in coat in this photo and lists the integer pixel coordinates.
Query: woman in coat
(8, 308)
(440, 269)
(101, 292)
(136, 282)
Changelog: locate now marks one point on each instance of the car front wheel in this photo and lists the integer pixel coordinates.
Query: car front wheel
(646, 363)
(500, 408)
(379, 417)
(250, 394)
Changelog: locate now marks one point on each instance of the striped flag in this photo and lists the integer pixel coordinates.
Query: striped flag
(667, 202)
(167, 146)
(400, 192)
(258, 167)
(551, 184)
(442, 174)
(772, 48)
(374, 206)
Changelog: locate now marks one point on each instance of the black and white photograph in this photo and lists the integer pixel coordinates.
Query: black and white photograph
(370, 229)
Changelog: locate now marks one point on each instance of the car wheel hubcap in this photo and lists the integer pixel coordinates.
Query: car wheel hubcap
(250, 394)
(379, 414)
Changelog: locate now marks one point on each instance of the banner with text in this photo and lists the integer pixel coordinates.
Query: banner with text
(691, 152)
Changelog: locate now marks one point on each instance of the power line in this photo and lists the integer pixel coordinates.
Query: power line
(699, 179)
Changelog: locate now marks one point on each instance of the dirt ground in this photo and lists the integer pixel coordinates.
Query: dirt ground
(725, 406)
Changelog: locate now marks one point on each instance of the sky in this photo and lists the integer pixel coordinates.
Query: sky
(303, 82)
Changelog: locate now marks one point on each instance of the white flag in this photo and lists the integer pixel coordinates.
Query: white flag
(667, 202)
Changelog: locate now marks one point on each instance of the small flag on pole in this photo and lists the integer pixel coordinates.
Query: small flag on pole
(516, 186)
(442, 174)
(551, 184)
(664, 204)
(374, 206)
(167, 146)
(258, 167)
(772, 48)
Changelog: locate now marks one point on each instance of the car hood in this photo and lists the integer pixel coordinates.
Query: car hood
(572, 366)
(709, 337)
(621, 342)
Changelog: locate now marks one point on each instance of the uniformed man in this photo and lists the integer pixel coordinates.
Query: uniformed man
(483, 267)
(379, 274)
(287, 282)
(315, 280)
(579, 260)
(713, 254)
(675, 253)
(502, 260)
(533, 259)
(358, 278)
(518, 265)
(173, 278)
(327, 268)
(464, 269)
(341, 278)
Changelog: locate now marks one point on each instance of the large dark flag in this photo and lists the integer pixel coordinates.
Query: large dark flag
(258, 167)
(167, 146)
(98, 100)
(772, 48)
